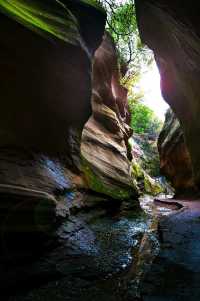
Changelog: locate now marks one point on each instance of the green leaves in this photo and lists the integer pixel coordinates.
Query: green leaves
(122, 25)
(49, 18)
(143, 119)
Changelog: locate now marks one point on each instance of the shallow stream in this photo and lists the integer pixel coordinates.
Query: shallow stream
(94, 258)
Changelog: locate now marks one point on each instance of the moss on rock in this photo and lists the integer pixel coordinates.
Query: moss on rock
(137, 171)
(50, 19)
(151, 186)
(145, 183)
(96, 184)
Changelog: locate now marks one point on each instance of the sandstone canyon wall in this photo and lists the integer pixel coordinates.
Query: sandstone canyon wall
(105, 151)
(175, 161)
(171, 30)
(45, 75)
(62, 73)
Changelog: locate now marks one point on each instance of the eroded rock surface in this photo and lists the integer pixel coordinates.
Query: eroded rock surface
(175, 272)
(175, 162)
(45, 75)
(171, 30)
(105, 137)
(91, 259)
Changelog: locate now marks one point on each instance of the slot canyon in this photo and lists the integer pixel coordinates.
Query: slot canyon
(93, 206)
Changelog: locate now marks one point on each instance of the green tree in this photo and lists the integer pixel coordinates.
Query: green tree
(143, 119)
(134, 59)
(122, 25)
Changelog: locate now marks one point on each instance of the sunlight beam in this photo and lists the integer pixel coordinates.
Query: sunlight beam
(150, 86)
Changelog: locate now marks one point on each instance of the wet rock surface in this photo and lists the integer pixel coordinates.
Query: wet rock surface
(171, 30)
(110, 254)
(175, 272)
(88, 259)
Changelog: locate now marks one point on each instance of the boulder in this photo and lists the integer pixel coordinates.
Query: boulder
(144, 182)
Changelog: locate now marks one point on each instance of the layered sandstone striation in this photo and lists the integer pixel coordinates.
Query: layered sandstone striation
(105, 152)
(175, 161)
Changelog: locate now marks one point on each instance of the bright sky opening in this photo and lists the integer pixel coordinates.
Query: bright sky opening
(150, 85)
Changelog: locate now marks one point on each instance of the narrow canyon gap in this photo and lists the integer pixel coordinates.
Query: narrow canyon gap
(91, 208)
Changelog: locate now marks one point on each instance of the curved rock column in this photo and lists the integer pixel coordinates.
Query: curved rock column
(105, 137)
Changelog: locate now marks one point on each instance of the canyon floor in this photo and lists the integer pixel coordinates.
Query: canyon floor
(175, 273)
(103, 254)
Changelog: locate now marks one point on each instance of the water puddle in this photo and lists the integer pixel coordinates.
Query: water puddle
(155, 207)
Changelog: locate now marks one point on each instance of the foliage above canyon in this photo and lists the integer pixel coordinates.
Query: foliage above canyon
(143, 119)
